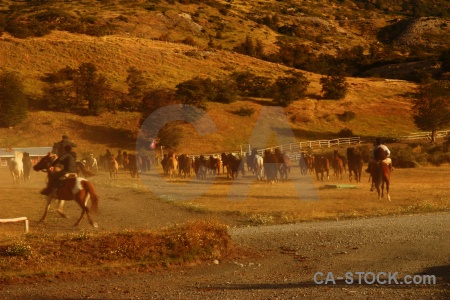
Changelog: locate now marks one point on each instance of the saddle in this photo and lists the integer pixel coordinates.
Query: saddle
(62, 179)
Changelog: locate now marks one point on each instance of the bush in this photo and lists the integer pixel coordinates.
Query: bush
(407, 157)
(346, 116)
(346, 132)
(289, 88)
(334, 87)
(244, 111)
(438, 158)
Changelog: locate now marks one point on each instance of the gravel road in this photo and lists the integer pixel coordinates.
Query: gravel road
(279, 262)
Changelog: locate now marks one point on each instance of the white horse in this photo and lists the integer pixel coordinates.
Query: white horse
(259, 167)
(16, 168)
(92, 163)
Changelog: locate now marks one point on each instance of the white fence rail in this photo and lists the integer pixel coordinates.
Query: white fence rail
(293, 150)
(423, 135)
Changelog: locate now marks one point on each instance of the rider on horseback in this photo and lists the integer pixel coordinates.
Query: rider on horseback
(68, 160)
(382, 156)
(58, 148)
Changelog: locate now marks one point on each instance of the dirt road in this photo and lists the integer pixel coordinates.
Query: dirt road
(283, 261)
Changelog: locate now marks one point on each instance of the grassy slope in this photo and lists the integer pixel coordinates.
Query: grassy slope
(381, 107)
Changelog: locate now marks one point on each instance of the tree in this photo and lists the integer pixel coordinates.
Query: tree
(289, 88)
(13, 102)
(91, 87)
(225, 90)
(136, 83)
(196, 92)
(334, 87)
(431, 107)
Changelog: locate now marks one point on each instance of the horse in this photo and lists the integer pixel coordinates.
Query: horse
(73, 188)
(16, 168)
(234, 166)
(200, 167)
(355, 164)
(302, 164)
(224, 158)
(270, 166)
(251, 161)
(310, 163)
(133, 165)
(165, 165)
(184, 165)
(172, 164)
(213, 165)
(91, 163)
(113, 167)
(82, 169)
(258, 164)
(125, 161)
(27, 166)
(338, 164)
(380, 174)
(285, 166)
(321, 166)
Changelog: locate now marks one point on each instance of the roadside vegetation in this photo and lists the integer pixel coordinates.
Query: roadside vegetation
(34, 257)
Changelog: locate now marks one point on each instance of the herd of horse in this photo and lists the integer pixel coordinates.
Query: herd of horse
(271, 166)
(275, 166)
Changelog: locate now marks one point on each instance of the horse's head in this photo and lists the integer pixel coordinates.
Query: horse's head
(44, 163)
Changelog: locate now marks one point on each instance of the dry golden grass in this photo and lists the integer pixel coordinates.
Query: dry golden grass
(423, 189)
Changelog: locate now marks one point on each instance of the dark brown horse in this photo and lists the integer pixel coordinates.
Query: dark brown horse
(381, 175)
(270, 166)
(303, 165)
(73, 188)
(321, 166)
(134, 165)
(355, 164)
(27, 166)
(184, 165)
(200, 167)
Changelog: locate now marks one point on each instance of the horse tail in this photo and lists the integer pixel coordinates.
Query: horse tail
(93, 195)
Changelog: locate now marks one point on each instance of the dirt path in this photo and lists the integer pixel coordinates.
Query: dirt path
(280, 263)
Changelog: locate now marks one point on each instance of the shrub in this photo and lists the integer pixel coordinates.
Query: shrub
(334, 87)
(289, 88)
(407, 158)
(244, 111)
(225, 91)
(346, 116)
(346, 132)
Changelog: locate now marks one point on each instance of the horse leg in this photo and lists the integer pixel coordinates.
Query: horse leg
(387, 191)
(60, 209)
(84, 209)
(47, 206)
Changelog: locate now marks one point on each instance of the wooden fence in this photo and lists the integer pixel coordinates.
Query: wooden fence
(295, 149)
(423, 135)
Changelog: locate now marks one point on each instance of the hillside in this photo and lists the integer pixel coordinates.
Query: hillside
(149, 35)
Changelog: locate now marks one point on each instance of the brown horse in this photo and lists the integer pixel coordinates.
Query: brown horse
(73, 188)
(338, 165)
(134, 164)
(27, 166)
(113, 167)
(381, 175)
(355, 164)
(321, 166)
(303, 165)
